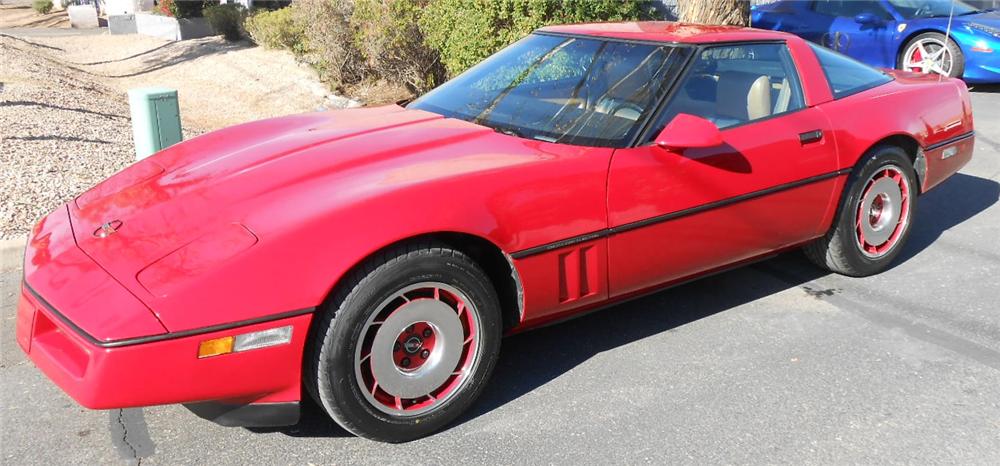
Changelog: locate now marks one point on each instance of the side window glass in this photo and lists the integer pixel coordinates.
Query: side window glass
(732, 85)
(850, 8)
(846, 75)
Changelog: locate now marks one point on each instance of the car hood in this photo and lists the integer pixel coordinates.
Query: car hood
(987, 18)
(991, 18)
(207, 186)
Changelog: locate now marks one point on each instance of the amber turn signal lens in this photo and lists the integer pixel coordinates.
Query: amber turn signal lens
(215, 347)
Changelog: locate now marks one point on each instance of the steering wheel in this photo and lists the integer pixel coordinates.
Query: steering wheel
(926, 8)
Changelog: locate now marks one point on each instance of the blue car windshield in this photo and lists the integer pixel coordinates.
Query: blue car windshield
(571, 90)
(916, 9)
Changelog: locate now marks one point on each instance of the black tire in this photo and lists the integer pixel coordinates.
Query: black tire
(958, 65)
(330, 372)
(840, 250)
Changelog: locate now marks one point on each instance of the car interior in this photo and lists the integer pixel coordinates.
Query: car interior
(738, 85)
(593, 105)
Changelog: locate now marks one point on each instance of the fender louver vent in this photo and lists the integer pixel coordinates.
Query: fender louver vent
(577, 274)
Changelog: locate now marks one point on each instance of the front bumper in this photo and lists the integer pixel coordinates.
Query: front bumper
(161, 372)
(107, 350)
(982, 70)
(982, 59)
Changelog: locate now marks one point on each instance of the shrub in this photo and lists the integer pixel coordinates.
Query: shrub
(42, 6)
(270, 4)
(183, 8)
(165, 7)
(276, 30)
(465, 32)
(388, 36)
(226, 20)
(329, 43)
(193, 8)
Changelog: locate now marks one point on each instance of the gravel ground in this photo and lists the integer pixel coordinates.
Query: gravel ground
(53, 145)
(64, 117)
(219, 83)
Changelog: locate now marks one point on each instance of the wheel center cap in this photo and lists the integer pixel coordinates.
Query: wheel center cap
(412, 344)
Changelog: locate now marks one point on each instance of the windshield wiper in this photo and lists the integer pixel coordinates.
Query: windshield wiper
(509, 132)
(520, 134)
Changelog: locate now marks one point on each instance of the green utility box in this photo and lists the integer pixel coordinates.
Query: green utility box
(156, 119)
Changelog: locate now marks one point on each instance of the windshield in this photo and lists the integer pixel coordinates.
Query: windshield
(562, 89)
(913, 9)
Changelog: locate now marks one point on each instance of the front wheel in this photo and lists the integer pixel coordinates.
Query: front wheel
(932, 52)
(874, 217)
(407, 344)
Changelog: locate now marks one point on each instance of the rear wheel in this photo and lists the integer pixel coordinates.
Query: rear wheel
(932, 52)
(407, 345)
(874, 217)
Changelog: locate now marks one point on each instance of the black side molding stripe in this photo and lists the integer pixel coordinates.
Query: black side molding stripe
(163, 336)
(674, 215)
(727, 202)
(952, 140)
(560, 244)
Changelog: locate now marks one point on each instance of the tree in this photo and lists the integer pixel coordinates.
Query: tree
(724, 12)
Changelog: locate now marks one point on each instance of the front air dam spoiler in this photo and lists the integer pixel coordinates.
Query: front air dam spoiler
(249, 414)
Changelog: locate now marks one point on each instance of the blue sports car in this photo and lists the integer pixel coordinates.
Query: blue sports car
(904, 34)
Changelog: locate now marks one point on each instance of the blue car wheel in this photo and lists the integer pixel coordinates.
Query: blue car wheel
(931, 52)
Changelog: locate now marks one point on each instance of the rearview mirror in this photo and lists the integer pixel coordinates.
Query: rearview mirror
(866, 18)
(688, 131)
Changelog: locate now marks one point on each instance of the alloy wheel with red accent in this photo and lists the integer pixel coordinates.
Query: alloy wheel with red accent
(406, 344)
(874, 217)
(932, 53)
(883, 211)
(418, 349)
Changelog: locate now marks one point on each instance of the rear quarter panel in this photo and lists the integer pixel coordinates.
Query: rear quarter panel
(931, 110)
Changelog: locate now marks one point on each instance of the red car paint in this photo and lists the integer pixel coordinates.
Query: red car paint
(253, 225)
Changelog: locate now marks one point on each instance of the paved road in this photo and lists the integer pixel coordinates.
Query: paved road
(774, 363)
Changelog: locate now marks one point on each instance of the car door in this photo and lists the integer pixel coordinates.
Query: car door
(793, 16)
(861, 29)
(676, 213)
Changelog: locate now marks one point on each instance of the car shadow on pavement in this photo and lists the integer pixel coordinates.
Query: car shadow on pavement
(532, 359)
(954, 201)
(988, 88)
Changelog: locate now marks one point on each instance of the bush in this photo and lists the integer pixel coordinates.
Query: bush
(329, 40)
(42, 6)
(276, 30)
(193, 8)
(388, 36)
(165, 7)
(183, 8)
(226, 20)
(464, 32)
(271, 4)
(415, 43)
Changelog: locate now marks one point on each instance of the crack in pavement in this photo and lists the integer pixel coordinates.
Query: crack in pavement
(130, 435)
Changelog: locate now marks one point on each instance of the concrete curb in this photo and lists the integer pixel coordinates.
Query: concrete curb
(11, 253)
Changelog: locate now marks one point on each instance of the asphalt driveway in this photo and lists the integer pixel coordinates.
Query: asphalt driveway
(773, 363)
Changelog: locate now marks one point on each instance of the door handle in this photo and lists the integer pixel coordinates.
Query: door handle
(810, 136)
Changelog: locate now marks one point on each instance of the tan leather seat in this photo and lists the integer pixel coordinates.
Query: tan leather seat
(743, 96)
(784, 97)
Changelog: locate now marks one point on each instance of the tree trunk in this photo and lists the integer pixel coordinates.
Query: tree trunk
(724, 12)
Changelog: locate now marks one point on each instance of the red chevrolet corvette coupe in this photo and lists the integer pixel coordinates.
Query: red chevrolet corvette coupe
(373, 258)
